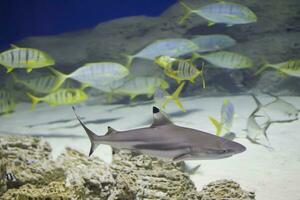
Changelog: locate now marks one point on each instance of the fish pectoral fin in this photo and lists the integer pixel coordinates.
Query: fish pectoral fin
(9, 69)
(14, 46)
(211, 23)
(182, 157)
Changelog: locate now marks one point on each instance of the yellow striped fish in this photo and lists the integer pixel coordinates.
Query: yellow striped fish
(26, 58)
(142, 86)
(179, 69)
(291, 67)
(42, 84)
(221, 12)
(61, 97)
(226, 59)
(7, 102)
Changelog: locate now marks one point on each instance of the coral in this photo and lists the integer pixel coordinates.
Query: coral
(73, 175)
(55, 190)
(225, 189)
(151, 178)
(3, 186)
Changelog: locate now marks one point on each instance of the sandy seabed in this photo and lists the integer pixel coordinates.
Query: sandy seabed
(271, 174)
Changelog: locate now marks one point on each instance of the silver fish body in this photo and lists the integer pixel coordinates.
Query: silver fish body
(213, 42)
(228, 13)
(227, 59)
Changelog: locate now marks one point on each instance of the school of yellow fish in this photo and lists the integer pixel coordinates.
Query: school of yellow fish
(176, 57)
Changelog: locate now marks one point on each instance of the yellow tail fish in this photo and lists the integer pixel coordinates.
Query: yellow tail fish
(179, 69)
(61, 97)
(291, 67)
(26, 58)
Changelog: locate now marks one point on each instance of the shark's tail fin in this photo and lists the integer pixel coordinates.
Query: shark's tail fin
(92, 136)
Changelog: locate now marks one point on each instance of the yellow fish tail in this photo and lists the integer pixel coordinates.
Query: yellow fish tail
(175, 97)
(217, 124)
(164, 105)
(195, 56)
(15, 78)
(187, 13)
(34, 99)
(9, 69)
(83, 86)
(263, 67)
(201, 73)
(62, 77)
(129, 59)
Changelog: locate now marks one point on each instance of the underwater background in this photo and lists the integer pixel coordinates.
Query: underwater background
(235, 75)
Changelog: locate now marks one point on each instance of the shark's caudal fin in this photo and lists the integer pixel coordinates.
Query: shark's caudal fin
(187, 13)
(92, 136)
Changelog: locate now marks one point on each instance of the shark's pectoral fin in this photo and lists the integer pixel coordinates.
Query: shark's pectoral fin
(187, 169)
(182, 157)
(185, 155)
(159, 118)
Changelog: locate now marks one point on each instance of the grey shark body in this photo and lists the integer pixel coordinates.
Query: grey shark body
(163, 139)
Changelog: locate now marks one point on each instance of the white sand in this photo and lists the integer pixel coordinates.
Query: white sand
(271, 174)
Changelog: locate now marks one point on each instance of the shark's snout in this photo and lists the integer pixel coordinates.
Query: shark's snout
(235, 147)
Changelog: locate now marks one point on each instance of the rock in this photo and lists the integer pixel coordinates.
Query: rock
(151, 178)
(73, 175)
(54, 190)
(225, 189)
(3, 186)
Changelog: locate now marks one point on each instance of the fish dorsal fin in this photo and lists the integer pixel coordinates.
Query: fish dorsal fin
(159, 119)
(110, 130)
(14, 46)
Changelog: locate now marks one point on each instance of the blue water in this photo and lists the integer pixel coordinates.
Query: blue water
(23, 18)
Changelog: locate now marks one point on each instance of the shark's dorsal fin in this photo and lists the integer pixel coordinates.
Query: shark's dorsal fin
(110, 130)
(159, 118)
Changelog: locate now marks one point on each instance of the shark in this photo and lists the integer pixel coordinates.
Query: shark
(163, 139)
